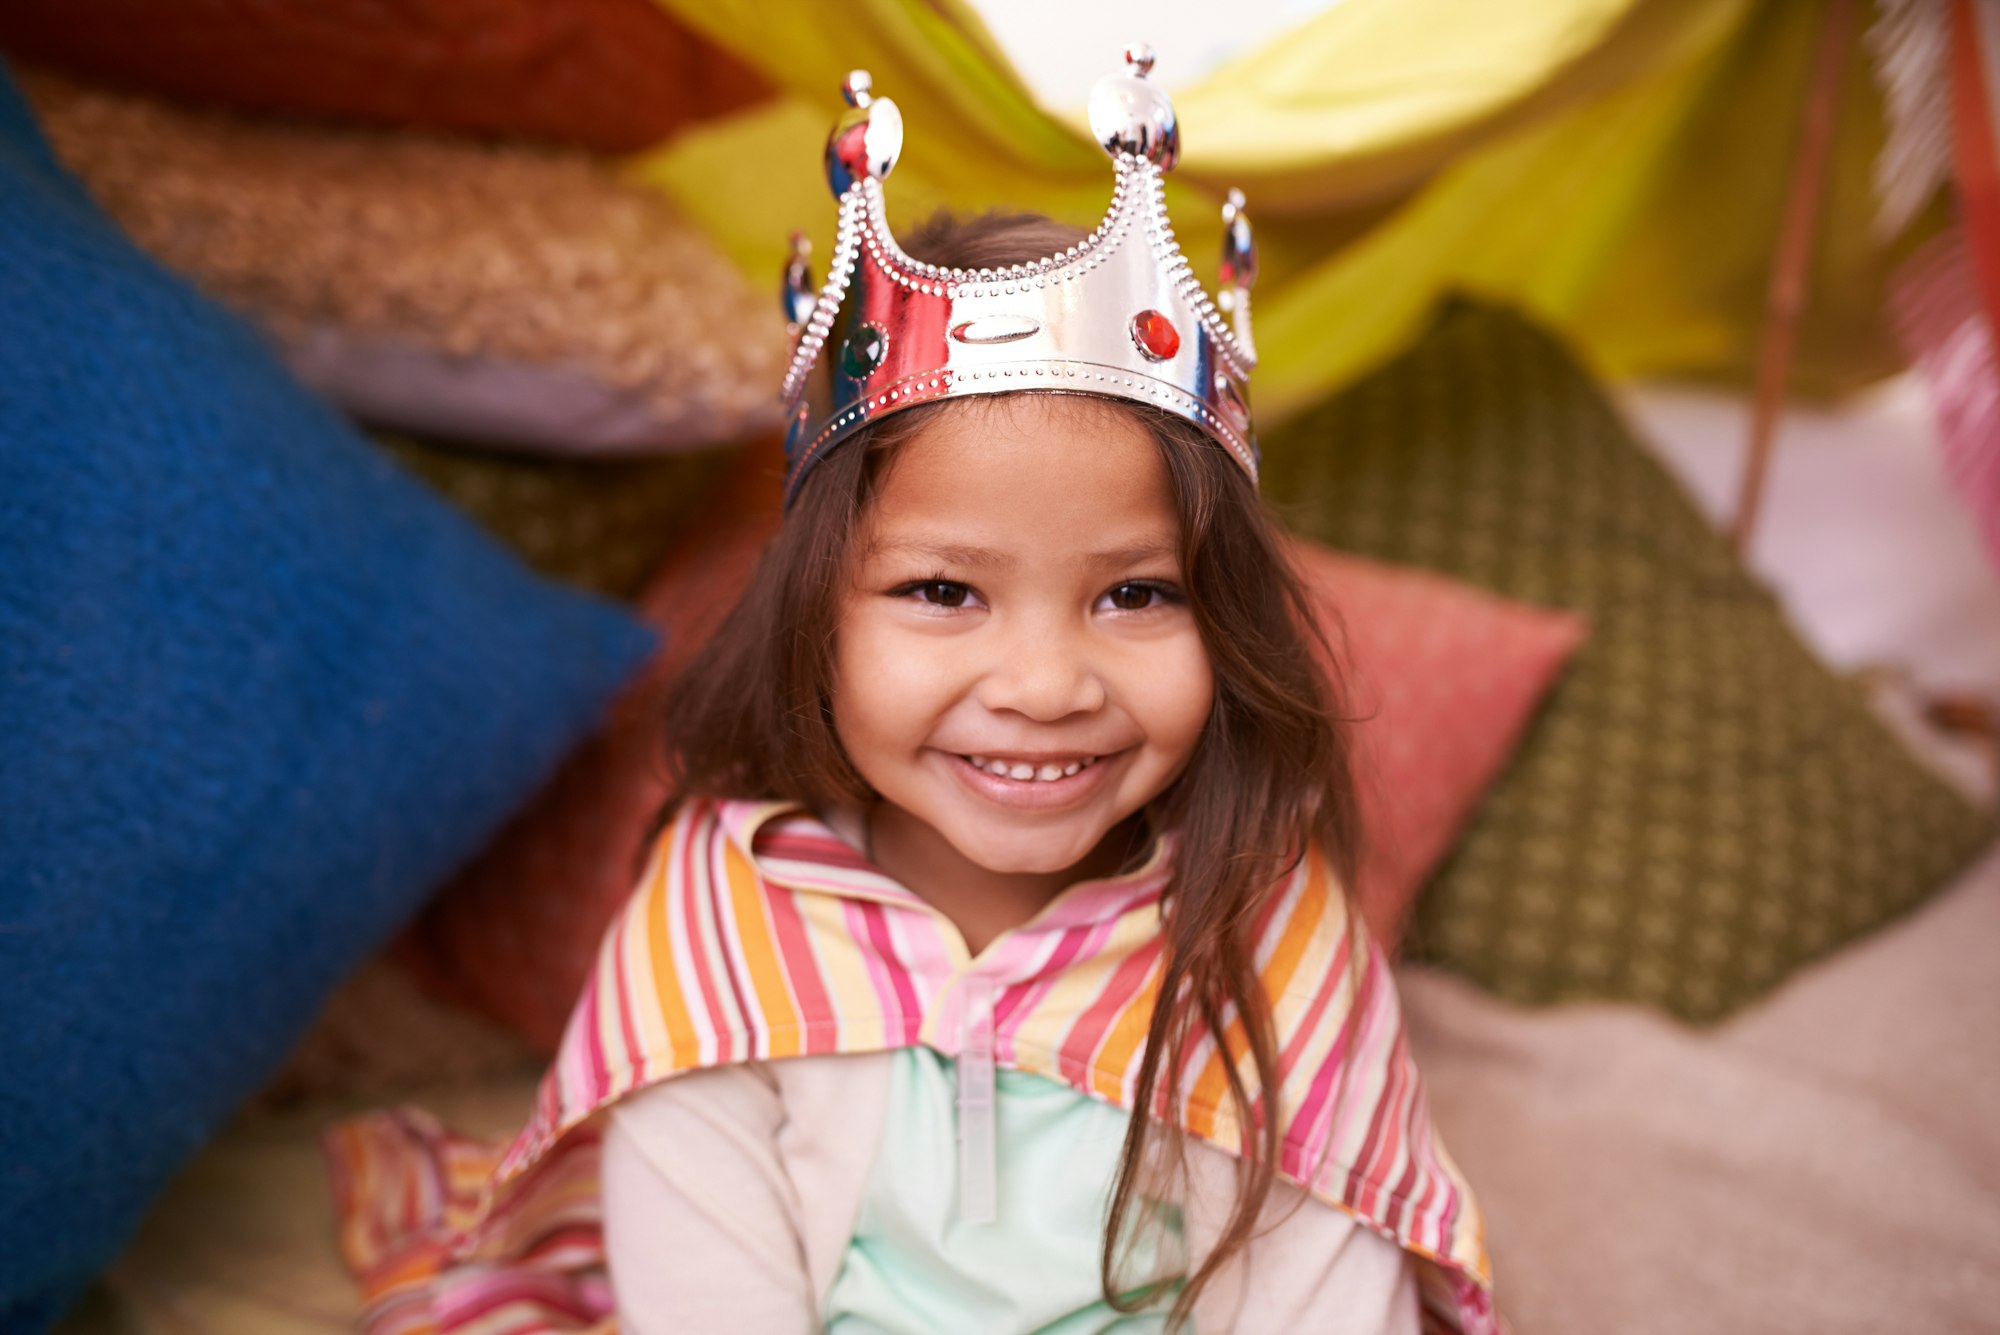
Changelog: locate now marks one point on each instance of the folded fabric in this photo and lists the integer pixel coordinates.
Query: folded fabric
(263, 691)
(1445, 677)
(1704, 807)
(510, 296)
(615, 75)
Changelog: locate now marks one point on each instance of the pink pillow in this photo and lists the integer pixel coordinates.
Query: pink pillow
(1446, 677)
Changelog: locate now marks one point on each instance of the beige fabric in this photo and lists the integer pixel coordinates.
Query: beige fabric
(749, 1178)
(721, 1211)
(1828, 1161)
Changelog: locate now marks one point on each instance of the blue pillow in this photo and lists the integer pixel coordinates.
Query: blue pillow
(259, 691)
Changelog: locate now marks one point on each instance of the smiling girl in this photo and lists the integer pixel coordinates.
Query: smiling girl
(993, 970)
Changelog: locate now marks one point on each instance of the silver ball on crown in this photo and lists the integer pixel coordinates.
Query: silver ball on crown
(868, 138)
(1128, 114)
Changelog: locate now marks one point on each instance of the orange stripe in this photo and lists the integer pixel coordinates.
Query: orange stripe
(760, 952)
(1114, 1063)
(1299, 928)
(674, 1014)
(1211, 1089)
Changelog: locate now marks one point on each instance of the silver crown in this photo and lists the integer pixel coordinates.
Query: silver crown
(1119, 315)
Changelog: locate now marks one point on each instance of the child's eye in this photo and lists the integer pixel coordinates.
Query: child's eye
(1137, 596)
(935, 592)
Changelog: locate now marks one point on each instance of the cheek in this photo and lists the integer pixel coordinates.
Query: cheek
(1176, 692)
(884, 684)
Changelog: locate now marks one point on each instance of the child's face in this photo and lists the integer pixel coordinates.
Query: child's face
(1018, 604)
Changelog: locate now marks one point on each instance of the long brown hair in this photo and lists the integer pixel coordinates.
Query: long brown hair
(752, 716)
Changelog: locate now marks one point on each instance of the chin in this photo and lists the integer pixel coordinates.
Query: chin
(1027, 852)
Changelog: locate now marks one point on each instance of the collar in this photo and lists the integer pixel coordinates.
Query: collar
(789, 845)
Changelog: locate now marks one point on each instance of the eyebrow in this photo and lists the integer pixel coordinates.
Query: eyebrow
(957, 554)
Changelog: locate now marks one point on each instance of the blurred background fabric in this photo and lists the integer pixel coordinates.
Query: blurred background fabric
(1610, 167)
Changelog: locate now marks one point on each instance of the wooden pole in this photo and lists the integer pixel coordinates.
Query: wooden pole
(1790, 266)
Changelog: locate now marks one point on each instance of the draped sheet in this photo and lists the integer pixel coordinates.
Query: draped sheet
(1614, 167)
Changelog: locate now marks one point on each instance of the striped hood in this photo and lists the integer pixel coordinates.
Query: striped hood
(757, 934)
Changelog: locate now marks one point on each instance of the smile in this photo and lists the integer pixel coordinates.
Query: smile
(1040, 783)
(1022, 771)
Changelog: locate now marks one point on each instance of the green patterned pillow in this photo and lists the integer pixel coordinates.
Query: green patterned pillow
(1703, 808)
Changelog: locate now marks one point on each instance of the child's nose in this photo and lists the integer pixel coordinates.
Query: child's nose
(1042, 671)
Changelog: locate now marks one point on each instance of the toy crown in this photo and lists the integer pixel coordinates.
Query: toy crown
(1119, 315)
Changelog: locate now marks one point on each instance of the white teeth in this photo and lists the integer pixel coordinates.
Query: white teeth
(1022, 772)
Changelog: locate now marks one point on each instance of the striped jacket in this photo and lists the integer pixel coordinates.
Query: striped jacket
(758, 934)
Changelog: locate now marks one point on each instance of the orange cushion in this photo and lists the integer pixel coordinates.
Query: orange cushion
(1445, 676)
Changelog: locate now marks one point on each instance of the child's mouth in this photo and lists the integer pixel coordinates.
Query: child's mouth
(1022, 771)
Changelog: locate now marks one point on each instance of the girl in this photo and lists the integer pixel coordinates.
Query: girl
(993, 971)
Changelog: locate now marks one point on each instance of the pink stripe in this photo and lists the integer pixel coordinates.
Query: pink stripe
(1308, 1026)
(697, 951)
(1397, 1127)
(802, 972)
(1316, 1109)
(628, 1031)
(901, 1020)
(1016, 1003)
(462, 1304)
(1286, 890)
(919, 937)
(1437, 1203)
(791, 843)
(729, 958)
(1364, 1161)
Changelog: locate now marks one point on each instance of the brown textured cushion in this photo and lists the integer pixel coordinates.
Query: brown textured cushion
(502, 294)
(1703, 807)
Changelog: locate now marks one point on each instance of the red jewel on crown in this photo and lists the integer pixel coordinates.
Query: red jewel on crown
(1156, 336)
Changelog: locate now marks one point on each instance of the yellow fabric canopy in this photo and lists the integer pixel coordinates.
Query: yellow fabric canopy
(1616, 168)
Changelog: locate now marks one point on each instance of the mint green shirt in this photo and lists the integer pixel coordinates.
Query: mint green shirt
(913, 1265)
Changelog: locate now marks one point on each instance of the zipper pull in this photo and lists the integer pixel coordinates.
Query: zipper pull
(977, 1186)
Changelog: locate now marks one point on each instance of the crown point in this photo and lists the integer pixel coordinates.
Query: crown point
(867, 139)
(1239, 245)
(797, 290)
(1132, 118)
